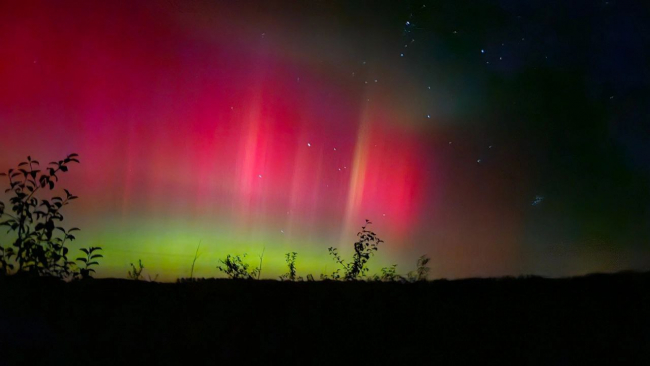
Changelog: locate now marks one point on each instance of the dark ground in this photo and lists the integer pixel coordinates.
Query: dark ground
(598, 319)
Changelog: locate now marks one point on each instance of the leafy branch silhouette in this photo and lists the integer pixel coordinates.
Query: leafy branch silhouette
(39, 248)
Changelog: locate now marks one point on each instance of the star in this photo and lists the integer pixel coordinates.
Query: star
(308, 144)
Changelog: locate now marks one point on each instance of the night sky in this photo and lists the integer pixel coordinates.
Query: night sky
(497, 137)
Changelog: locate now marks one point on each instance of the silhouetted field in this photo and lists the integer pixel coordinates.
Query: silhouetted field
(597, 319)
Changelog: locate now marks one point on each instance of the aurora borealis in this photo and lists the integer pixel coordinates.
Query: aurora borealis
(481, 140)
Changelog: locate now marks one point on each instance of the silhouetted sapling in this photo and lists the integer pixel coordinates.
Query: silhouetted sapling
(135, 273)
(290, 258)
(366, 246)
(40, 245)
(88, 261)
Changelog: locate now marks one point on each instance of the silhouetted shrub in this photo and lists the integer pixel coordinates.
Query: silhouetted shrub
(422, 271)
(235, 268)
(40, 245)
(389, 274)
